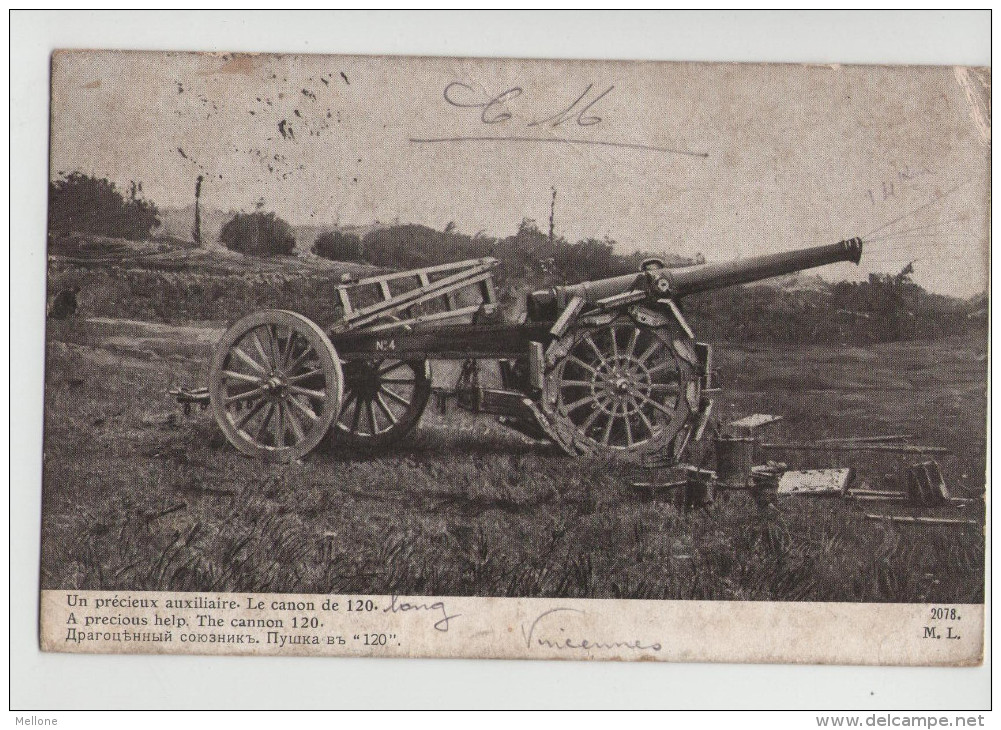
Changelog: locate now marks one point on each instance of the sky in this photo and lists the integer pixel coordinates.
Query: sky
(726, 160)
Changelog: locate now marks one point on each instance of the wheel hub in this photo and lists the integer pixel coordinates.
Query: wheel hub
(615, 381)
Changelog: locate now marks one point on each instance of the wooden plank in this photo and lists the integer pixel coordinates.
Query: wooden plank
(423, 319)
(896, 448)
(755, 420)
(815, 481)
(567, 317)
(396, 305)
(679, 316)
(342, 295)
(875, 493)
(487, 261)
(906, 519)
(425, 281)
(488, 291)
(704, 419)
(866, 439)
(417, 296)
(659, 485)
(501, 402)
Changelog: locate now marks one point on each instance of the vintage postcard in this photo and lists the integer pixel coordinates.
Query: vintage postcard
(456, 357)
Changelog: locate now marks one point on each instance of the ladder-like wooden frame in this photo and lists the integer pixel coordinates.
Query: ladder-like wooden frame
(459, 275)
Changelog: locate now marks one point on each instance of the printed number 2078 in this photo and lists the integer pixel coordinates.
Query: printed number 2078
(944, 613)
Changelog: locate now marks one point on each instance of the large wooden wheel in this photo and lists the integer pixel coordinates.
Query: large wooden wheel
(622, 387)
(383, 401)
(275, 385)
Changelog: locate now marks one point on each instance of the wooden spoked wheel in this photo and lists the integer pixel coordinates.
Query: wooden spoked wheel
(383, 401)
(275, 385)
(621, 387)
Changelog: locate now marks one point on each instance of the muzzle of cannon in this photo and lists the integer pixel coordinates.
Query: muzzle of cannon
(660, 282)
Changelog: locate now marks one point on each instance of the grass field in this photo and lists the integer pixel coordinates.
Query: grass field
(139, 497)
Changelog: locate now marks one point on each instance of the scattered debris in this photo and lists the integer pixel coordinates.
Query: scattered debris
(691, 488)
(925, 484)
(654, 487)
(917, 485)
(816, 482)
(906, 519)
(765, 481)
(734, 459)
(754, 421)
(699, 490)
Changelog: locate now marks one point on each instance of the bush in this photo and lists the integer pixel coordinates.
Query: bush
(411, 246)
(339, 246)
(258, 234)
(84, 204)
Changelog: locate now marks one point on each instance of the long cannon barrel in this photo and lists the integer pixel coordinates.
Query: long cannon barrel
(717, 276)
(675, 283)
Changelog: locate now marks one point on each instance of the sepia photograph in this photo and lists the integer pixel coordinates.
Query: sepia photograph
(335, 335)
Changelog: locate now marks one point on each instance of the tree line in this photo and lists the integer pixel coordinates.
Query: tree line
(885, 307)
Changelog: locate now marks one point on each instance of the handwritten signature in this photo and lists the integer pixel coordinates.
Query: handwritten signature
(397, 605)
(494, 109)
(566, 642)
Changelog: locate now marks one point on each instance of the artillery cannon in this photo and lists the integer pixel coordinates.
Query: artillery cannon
(608, 366)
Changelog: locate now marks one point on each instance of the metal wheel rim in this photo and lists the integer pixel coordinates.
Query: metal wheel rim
(275, 385)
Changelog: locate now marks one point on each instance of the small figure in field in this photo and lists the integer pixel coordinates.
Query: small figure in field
(64, 304)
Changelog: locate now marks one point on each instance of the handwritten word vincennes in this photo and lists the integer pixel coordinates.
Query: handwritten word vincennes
(494, 109)
(545, 622)
(398, 605)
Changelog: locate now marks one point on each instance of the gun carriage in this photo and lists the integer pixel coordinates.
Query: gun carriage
(608, 366)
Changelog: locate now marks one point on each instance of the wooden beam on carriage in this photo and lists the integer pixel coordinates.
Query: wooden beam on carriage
(417, 296)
